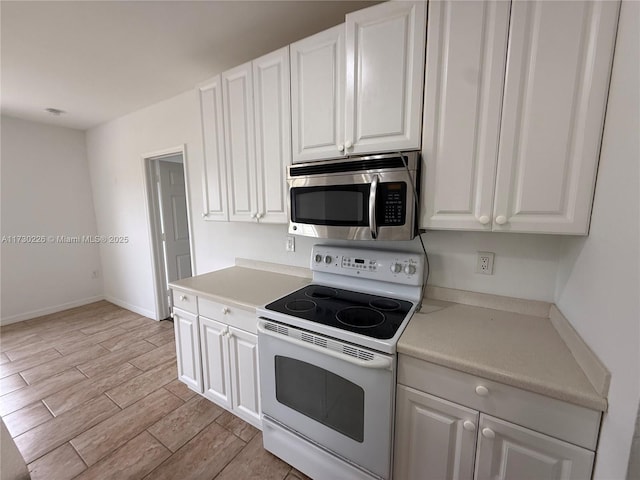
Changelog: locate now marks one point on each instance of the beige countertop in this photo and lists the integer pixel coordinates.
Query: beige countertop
(245, 288)
(516, 349)
(519, 349)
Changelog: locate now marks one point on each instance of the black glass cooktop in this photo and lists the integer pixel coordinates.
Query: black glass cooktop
(370, 315)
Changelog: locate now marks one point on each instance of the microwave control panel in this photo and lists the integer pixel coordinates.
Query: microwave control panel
(391, 203)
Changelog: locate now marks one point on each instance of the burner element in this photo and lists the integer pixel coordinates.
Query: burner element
(322, 293)
(385, 304)
(300, 306)
(360, 317)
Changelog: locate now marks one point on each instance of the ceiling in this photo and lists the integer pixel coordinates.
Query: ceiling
(98, 60)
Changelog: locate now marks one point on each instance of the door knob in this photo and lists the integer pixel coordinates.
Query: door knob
(483, 219)
(501, 219)
(469, 425)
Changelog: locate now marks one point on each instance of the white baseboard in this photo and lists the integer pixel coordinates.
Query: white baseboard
(49, 310)
(134, 308)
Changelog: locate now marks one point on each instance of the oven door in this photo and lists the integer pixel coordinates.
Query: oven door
(341, 401)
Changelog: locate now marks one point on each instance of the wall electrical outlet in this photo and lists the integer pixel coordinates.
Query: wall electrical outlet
(484, 263)
(291, 244)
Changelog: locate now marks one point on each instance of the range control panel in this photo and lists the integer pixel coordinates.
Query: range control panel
(382, 265)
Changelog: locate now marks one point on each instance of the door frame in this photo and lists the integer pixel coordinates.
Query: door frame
(152, 207)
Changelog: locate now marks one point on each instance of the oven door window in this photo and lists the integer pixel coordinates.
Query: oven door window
(338, 205)
(321, 395)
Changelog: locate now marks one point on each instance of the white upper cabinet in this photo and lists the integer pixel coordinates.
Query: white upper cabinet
(466, 50)
(272, 109)
(384, 77)
(239, 136)
(214, 175)
(357, 88)
(556, 87)
(317, 95)
(514, 146)
(246, 121)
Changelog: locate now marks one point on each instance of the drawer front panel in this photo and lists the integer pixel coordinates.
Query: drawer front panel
(572, 423)
(185, 301)
(229, 315)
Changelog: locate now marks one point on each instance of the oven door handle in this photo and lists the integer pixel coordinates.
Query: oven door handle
(378, 363)
(373, 225)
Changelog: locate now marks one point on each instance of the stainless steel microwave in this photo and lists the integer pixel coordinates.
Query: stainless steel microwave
(361, 198)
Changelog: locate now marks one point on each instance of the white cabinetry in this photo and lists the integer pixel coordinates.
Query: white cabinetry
(385, 76)
(246, 122)
(239, 136)
(214, 175)
(434, 438)
(381, 79)
(447, 428)
(514, 146)
(317, 95)
(188, 349)
(217, 353)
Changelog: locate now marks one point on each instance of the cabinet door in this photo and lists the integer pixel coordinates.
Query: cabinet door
(215, 361)
(237, 96)
(435, 439)
(272, 109)
(245, 388)
(507, 451)
(188, 349)
(466, 51)
(317, 96)
(214, 173)
(385, 77)
(559, 63)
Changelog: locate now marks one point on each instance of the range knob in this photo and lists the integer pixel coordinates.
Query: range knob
(410, 269)
(328, 259)
(396, 267)
(318, 258)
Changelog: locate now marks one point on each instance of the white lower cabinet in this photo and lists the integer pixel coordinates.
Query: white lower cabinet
(245, 383)
(438, 439)
(218, 358)
(507, 451)
(185, 325)
(434, 438)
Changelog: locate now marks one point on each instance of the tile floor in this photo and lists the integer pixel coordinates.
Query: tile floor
(91, 393)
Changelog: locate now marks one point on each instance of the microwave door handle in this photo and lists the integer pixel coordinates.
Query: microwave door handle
(372, 207)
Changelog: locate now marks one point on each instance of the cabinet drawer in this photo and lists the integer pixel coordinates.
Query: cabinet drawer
(229, 315)
(572, 423)
(185, 301)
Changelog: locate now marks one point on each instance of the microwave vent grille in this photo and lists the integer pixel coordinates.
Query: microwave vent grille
(347, 166)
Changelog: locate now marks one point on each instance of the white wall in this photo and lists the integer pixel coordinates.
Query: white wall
(45, 191)
(598, 286)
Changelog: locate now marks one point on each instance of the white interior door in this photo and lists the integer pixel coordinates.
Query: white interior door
(173, 214)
